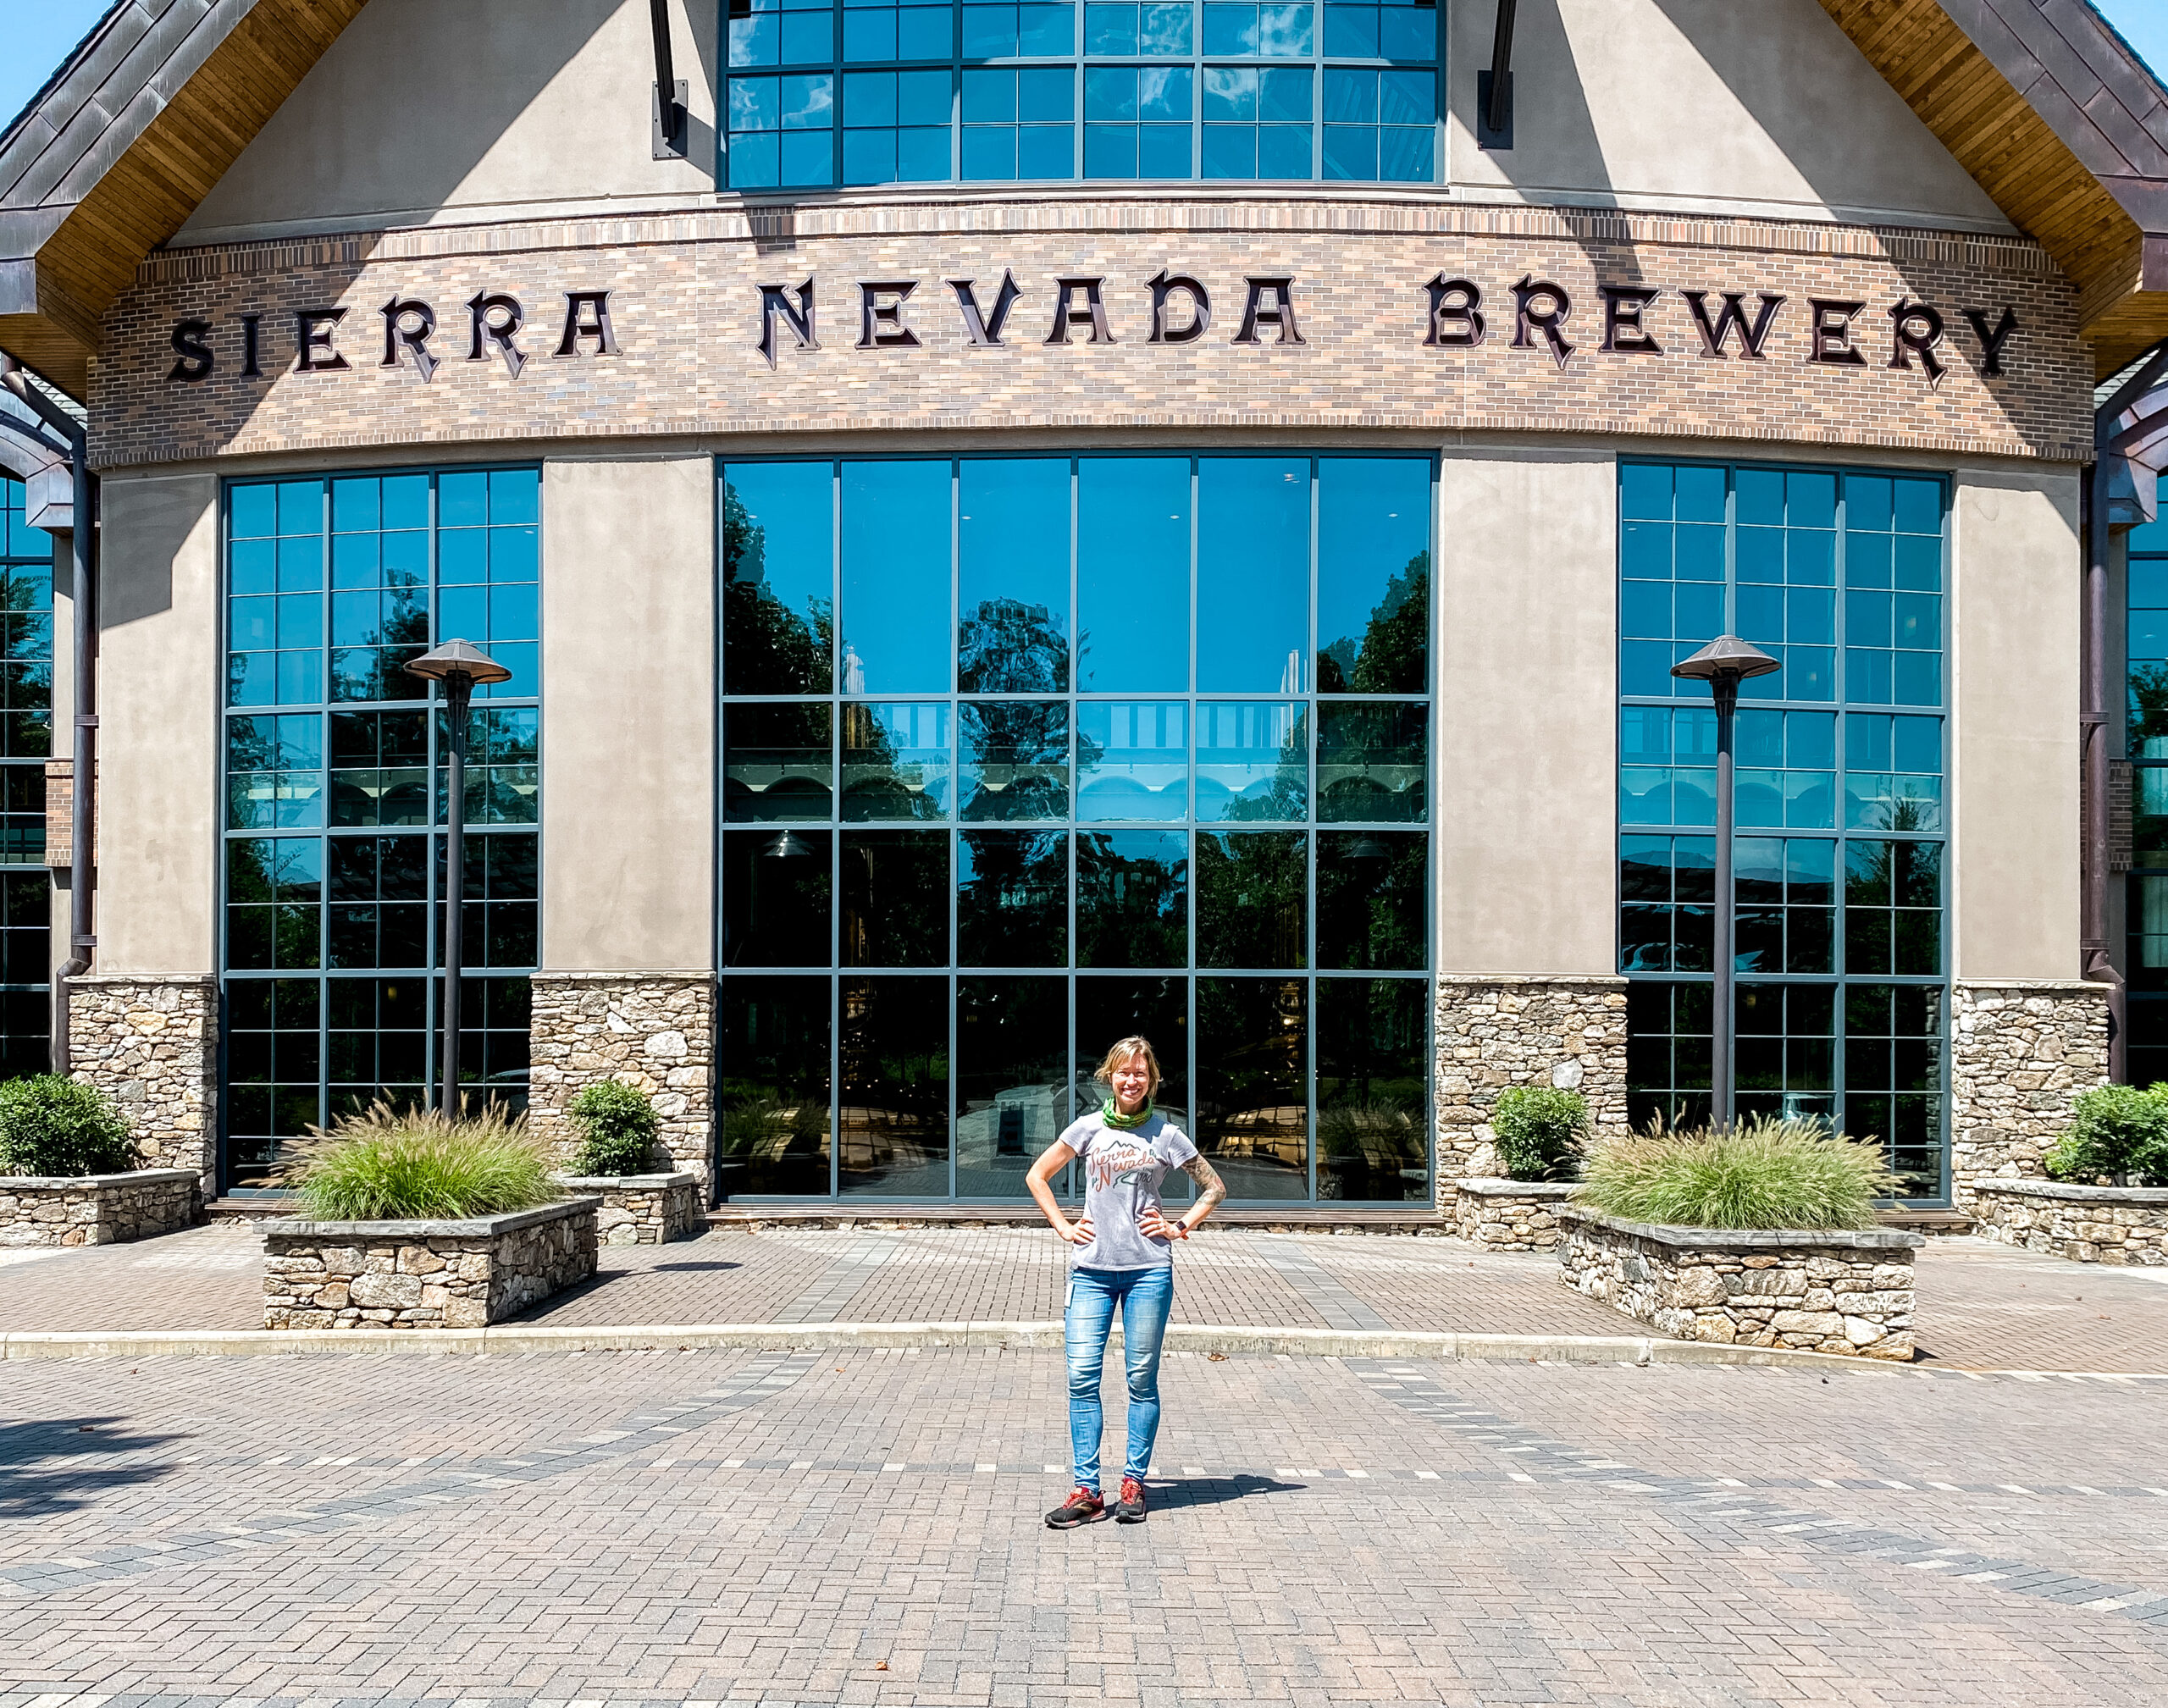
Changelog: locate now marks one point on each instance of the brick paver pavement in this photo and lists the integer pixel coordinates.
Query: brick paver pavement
(863, 1528)
(1981, 1305)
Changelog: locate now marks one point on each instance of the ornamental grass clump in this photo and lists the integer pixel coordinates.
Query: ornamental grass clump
(414, 1165)
(1762, 1173)
(52, 1125)
(617, 1127)
(2118, 1134)
(1538, 1131)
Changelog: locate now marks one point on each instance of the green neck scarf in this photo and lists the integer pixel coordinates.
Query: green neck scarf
(1111, 1114)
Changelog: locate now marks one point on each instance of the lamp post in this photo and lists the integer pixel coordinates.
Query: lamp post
(455, 666)
(1723, 664)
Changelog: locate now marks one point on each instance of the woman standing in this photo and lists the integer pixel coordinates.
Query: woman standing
(1124, 1253)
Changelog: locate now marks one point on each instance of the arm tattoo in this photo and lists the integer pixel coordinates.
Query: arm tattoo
(1210, 1188)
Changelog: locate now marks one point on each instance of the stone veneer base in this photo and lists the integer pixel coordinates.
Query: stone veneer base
(2019, 1056)
(654, 1031)
(150, 1041)
(463, 1274)
(1812, 1290)
(2087, 1224)
(1510, 1215)
(98, 1209)
(1496, 1029)
(642, 1209)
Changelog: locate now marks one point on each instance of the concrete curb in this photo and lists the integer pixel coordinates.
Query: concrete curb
(1023, 1336)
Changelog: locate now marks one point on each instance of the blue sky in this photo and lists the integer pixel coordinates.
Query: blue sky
(38, 35)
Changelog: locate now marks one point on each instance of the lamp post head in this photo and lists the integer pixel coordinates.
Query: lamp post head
(1726, 659)
(457, 658)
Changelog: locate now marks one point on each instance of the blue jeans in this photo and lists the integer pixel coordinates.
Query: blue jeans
(1146, 1295)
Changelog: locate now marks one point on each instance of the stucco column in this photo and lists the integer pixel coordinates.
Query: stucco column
(1527, 755)
(627, 790)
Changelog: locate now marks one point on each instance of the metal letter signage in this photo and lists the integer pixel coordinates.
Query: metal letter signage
(1066, 313)
(1279, 312)
(1556, 307)
(1455, 314)
(407, 325)
(1200, 305)
(1180, 311)
(497, 319)
(196, 360)
(775, 299)
(880, 321)
(1829, 333)
(312, 330)
(985, 330)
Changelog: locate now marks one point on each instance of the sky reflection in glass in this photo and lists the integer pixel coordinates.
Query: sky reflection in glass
(1254, 573)
(1133, 574)
(895, 577)
(1012, 577)
(1132, 761)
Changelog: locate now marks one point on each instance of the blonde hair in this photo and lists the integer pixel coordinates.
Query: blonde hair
(1123, 1049)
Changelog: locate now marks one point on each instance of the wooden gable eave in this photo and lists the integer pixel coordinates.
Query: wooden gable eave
(126, 145)
(2053, 117)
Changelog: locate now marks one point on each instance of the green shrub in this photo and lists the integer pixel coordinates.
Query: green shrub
(1763, 1173)
(618, 1128)
(399, 1165)
(2118, 1133)
(1539, 1130)
(51, 1125)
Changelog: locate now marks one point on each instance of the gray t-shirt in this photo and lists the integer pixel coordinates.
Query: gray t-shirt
(1122, 1172)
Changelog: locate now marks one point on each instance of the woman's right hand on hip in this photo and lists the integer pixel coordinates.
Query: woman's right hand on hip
(1078, 1232)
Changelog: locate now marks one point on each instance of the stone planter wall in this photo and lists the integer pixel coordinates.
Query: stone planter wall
(1814, 1290)
(98, 1209)
(654, 1031)
(1498, 1030)
(423, 1274)
(2088, 1224)
(2019, 1056)
(1510, 1215)
(151, 1043)
(642, 1209)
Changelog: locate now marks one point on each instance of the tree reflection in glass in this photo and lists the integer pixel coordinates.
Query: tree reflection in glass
(1012, 1079)
(775, 889)
(1012, 899)
(893, 1107)
(895, 761)
(1013, 758)
(1370, 899)
(776, 762)
(895, 898)
(1373, 575)
(1253, 761)
(1372, 1117)
(778, 577)
(771, 1095)
(1012, 577)
(1252, 898)
(1252, 1068)
(1372, 762)
(1132, 761)
(1132, 898)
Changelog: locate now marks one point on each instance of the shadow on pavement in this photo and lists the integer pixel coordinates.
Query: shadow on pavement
(32, 1485)
(1214, 1491)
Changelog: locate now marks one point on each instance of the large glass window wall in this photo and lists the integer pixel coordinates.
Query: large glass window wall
(26, 744)
(1841, 948)
(1024, 754)
(871, 91)
(336, 794)
(2146, 963)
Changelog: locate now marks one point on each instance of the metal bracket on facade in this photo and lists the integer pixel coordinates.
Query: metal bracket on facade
(670, 115)
(1494, 89)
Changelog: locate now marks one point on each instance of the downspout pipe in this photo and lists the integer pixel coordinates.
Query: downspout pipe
(82, 943)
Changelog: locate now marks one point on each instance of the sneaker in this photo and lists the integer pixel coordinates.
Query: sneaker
(1083, 1507)
(1130, 1509)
